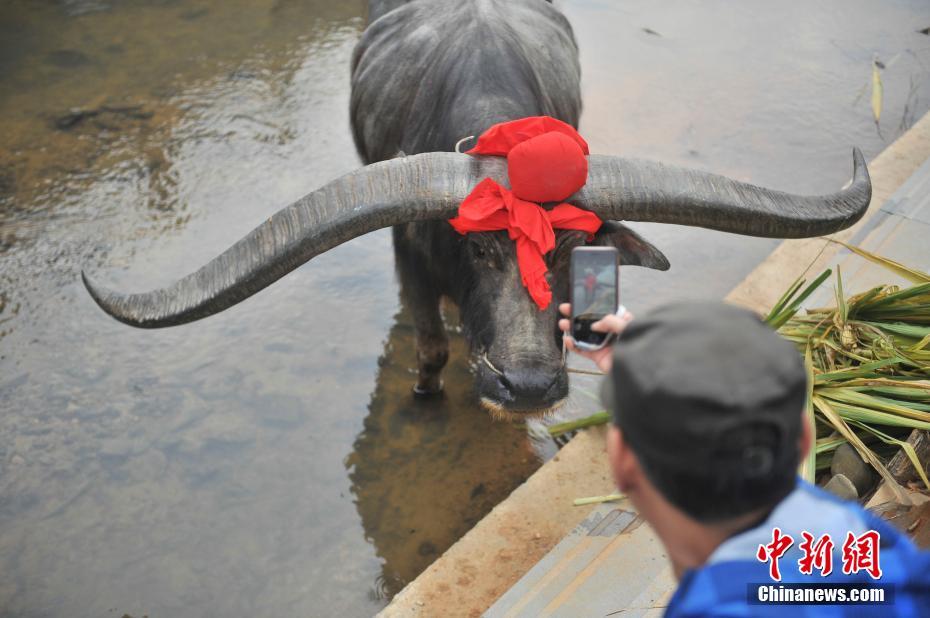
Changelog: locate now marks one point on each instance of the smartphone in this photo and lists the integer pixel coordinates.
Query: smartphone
(595, 292)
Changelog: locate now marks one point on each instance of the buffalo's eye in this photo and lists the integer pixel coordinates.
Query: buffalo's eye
(483, 256)
(477, 251)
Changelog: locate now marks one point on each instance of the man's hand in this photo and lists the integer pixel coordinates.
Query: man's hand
(608, 324)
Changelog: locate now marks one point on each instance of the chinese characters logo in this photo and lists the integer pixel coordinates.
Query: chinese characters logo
(859, 553)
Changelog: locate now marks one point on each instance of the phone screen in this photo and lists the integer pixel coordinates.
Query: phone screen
(594, 290)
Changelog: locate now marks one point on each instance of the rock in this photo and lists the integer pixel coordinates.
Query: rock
(846, 461)
(135, 112)
(427, 549)
(105, 115)
(73, 118)
(842, 487)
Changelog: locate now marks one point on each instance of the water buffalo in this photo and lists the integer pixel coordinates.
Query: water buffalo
(425, 74)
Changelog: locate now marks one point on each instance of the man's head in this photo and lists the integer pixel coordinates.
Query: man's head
(707, 402)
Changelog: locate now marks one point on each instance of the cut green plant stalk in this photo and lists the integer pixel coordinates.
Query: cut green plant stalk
(597, 499)
(598, 418)
(828, 445)
(809, 465)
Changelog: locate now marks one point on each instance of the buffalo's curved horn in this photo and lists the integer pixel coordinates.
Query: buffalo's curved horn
(415, 188)
(431, 186)
(633, 190)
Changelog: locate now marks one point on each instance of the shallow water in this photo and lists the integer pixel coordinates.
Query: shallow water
(257, 462)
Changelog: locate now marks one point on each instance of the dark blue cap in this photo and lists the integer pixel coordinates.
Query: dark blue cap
(706, 389)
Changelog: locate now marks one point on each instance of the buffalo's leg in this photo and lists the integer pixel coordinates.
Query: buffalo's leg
(422, 299)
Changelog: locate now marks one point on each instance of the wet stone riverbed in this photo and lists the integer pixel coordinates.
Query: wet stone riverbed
(271, 460)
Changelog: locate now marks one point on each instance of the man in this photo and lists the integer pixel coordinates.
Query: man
(708, 432)
(590, 283)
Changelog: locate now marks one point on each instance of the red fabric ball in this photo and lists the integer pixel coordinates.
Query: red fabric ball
(500, 139)
(547, 168)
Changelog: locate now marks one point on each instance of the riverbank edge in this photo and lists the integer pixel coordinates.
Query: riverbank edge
(519, 531)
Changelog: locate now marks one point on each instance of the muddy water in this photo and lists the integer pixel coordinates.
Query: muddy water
(270, 459)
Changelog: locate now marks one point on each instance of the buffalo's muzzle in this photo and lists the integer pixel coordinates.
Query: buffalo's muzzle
(525, 388)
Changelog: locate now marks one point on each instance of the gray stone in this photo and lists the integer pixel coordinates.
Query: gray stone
(846, 461)
(841, 486)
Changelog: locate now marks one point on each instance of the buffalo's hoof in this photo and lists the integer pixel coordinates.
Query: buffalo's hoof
(425, 392)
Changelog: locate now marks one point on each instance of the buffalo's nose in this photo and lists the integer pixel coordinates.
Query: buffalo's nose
(527, 387)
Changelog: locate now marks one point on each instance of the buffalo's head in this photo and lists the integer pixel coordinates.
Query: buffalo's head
(517, 344)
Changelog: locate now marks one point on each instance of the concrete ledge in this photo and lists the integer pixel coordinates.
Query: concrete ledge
(494, 555)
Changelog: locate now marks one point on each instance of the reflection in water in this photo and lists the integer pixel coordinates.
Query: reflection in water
(424, 472)
(203, 470)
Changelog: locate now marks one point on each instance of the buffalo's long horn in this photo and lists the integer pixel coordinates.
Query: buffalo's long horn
(431, 186)
(415, 188)
(633, 190)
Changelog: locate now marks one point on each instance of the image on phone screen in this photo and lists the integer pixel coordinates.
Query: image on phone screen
(594, 290)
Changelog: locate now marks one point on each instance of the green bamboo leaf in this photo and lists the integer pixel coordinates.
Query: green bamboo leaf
(863, 301)
(783, 301)
(792, 308)
(863, 371)
(848, 396)
(896, 381)
(827, 445)
(894, 294)
(900, 328)
(842, 310)
(899, 392)
(875, 417)
(923, 407)
(915, 276)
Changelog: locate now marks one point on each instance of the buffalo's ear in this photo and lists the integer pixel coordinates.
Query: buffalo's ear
(634, 249)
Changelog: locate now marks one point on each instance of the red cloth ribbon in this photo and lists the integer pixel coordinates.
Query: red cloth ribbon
(546, 163)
